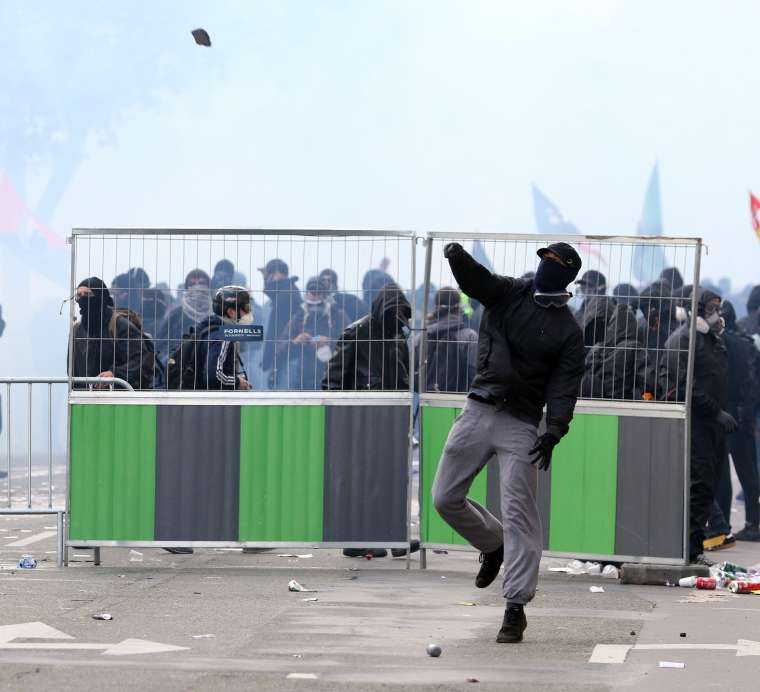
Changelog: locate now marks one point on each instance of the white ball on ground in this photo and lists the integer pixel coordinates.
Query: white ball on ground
(434, 650)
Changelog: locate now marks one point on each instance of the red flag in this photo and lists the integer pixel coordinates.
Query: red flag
(754, 207)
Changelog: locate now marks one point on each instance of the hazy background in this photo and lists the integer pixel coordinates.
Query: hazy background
(412, 115)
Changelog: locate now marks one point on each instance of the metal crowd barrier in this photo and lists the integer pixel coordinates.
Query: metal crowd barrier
(288, 465)
(29, 506)
(284, 465)
(618, 487)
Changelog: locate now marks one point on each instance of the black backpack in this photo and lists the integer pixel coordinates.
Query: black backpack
(182, 364)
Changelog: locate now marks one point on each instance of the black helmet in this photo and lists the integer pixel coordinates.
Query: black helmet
(235, 297)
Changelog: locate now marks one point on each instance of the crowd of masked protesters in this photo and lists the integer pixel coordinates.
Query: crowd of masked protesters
(320, 337)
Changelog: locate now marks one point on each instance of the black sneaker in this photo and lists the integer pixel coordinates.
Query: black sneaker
(513, 626)
(490, 563)
(179, 551)
(748, 533)
(401, 552)
(702, 560)
(363, 552)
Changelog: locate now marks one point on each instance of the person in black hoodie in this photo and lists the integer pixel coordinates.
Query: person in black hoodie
(611, 365)
(596, 309)
(743, 385)
(372, 353)
(530, 353)
(656, 303)
(352, 306)
(452, 346)
(107, 343)
(711, 422)
(284, 302)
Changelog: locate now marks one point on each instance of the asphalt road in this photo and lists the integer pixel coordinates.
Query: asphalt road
(235, 623)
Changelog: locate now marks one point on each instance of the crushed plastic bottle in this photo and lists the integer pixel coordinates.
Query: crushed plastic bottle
(27, 562)
(135, 556)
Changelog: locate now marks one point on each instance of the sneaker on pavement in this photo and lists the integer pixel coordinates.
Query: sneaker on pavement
(703, 560)
(719, 542)
(513, 626)
(490, 563)
(401, 552)
(749, 533)
(363, 552)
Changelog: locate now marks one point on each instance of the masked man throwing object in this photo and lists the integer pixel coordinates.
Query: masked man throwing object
(530, 353)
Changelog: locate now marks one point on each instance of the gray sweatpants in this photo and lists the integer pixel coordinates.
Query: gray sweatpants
(478, 433)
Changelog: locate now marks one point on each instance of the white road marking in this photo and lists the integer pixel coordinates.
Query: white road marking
(616, 653)
(39, 630)
(31, 539)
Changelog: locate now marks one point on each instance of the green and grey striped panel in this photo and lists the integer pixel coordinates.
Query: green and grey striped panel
(615, 486)
(297, 474)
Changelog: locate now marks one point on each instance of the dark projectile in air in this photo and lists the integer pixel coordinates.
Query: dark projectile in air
(201, 37)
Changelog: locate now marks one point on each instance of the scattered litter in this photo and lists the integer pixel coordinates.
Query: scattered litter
(434, 651)
(672, 664)
(743, 586)
(135, 556)
(297, 655)
(309, 600)
(610, 572)
(300, 557)
(443, 577)
(354, 578)
(683, 634)
(103, 616)
(704, 583)
(352, 569)
(121, 576)
(596, 589)
(204, 636)
(441, 552)
(196, 593)
(633, 634)
(472, 680)
(27, 562)
(577, 567)
(466, 603)
(293, 585)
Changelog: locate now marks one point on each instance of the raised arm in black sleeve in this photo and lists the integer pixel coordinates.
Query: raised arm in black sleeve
(474, 279)
(564, 385)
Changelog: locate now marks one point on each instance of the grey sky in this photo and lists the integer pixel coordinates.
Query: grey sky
(432, 115)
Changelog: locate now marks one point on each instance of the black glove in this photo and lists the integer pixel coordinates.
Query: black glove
(451, 249)
(726, 422)
(542, 451)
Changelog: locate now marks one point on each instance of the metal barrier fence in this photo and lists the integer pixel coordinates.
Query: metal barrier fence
(618, 485)
(630, 412)
(37, 460)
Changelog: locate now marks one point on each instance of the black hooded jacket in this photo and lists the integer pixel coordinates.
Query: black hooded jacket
(285, 302)
(593, 316)
(657, 305)
(106, 340)
(743, 369)
(372, 353)
(611, 365)
(709, 393)
(528, 356)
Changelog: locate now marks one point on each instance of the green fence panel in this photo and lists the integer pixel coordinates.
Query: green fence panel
(113, 472)
(282, 451)
(584, 487)
(436, 424)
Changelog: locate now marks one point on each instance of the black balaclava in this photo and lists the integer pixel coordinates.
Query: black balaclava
(96, 309)
(551, 276)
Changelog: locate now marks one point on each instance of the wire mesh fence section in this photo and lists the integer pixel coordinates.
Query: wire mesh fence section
(242, 311)
(632, 301)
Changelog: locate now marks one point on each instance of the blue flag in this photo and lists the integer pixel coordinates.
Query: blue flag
(549, 218)
(649, 260)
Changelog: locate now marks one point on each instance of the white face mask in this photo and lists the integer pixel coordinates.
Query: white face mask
(246, 319)
(681, 314)
(713, 319)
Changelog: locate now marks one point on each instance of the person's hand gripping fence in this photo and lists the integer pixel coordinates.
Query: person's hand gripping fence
(542, 451)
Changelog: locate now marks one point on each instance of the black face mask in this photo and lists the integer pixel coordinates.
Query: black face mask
(551, 276)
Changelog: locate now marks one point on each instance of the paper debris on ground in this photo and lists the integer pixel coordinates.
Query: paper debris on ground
(309, 600)
(300, 557)
(204, 636)
(672, 664)
(596, 589)
(293, 585)
(135, 556)
(103, 616)
(578, 567)
(466, 603)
